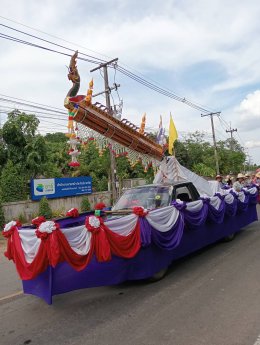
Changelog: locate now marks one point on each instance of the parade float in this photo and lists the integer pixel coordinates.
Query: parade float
(135, 239)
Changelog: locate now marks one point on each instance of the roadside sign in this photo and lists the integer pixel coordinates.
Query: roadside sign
(60, 187)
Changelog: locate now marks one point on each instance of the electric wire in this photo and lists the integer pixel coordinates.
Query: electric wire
(8, 109)
(32, 106)
(119, 99)
(151, 85)
(28, 102)
(124, 71)
(11, 38)
(53, 36)
(47, 41)
(160, 90)
(52, 42)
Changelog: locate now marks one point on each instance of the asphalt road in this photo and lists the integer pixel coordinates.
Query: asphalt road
(211, 297)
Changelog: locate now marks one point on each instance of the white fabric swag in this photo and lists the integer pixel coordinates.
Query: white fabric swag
(161, 219)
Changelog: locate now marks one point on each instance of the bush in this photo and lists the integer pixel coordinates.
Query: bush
(44, 208)
(22, 218)
(85, 204)
(58, 213)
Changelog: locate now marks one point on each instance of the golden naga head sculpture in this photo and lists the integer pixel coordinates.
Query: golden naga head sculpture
(73, 70)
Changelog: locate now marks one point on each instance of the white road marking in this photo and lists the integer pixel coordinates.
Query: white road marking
(11, 296)
(257, 341)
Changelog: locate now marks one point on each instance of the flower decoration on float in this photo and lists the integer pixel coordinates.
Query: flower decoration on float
(46, 228)
(38, 220)
(98, 208)
(140, 211)
(73, 150)
(93, 223)
(73, 212)
(73, 139)
(10, 227)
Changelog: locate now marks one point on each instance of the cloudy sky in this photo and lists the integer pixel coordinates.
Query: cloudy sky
(205, 51)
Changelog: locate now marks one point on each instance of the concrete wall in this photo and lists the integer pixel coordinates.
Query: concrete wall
(29, 209)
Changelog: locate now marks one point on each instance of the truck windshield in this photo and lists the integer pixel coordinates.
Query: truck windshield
(149, 197)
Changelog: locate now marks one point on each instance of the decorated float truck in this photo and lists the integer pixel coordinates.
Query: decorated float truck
(146, 230)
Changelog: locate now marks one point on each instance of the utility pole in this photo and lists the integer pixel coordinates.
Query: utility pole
(108, 105)
(214, 137)
(231, 130)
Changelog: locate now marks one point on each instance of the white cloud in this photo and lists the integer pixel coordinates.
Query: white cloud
(253, 144)
(250, 106)
(249, 112)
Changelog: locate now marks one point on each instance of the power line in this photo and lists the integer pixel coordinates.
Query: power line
(47, 41)
(152, 85)
(160, 90)
(32, 106)
(34, 103)
(121, 69)
(14, 39)
(56, 37)
(8, 109)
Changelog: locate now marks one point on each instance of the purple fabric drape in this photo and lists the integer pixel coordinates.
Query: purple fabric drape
(164, 240)
(242, 206)
(253, 198)
(195, 219)
(231, 209)
(146, 232)
(169, 239)
(215, 215)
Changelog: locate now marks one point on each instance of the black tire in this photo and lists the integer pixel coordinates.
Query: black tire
(229, 238)
(159, 275)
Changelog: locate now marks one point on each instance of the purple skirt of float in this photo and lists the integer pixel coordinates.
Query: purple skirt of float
(151, 259)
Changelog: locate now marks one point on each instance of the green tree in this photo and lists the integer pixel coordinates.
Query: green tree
(2, 216)
(18, 131)
(3, 151)
(36, 156)
(231, 156)
(203, 170)
(57, 155)
(95, 165)
(137, 170)
(12, 184)
(123, 168)
(197, 154)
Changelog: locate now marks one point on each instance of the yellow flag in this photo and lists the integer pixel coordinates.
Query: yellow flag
(173, 135)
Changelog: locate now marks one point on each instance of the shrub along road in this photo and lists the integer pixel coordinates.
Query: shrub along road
(211, 297)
